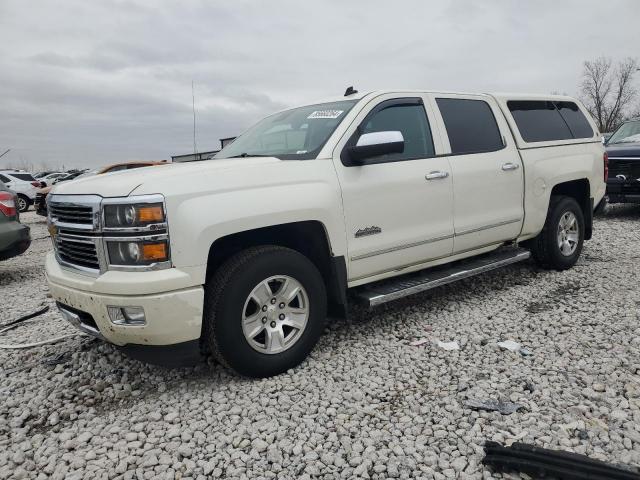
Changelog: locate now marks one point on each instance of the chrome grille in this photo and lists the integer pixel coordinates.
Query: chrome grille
(629, 168)
(77, 251)
(76, 222)
(73, 214)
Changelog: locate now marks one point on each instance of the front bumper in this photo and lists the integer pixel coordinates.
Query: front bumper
(623, 191)
(15, 239)
(172, 317)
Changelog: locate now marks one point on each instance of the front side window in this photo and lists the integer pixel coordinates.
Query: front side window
(299, 133)
(470, 125)
(410, 119)
(629, 132)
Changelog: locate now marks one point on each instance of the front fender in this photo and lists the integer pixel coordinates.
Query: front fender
(196, 223)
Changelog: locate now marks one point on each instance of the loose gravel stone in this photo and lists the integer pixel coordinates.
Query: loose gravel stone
(366, 404)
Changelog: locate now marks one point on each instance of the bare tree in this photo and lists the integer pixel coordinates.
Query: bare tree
(607, 90)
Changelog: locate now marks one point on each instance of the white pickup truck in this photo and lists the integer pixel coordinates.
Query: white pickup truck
(366, 197)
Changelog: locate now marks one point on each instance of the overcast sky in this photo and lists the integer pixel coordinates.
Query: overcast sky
(87, 83)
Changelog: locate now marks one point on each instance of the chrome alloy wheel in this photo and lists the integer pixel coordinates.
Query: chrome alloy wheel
(275, 314)
(22, 204)
(568, 234)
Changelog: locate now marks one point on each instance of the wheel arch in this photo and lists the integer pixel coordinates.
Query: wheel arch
(580, 190)
(309, 238)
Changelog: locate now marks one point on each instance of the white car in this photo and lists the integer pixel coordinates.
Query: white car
(366, 197)
(49, 180)
(23, 184)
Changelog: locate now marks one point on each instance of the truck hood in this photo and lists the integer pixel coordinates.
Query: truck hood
(624, 150)
(142, 180)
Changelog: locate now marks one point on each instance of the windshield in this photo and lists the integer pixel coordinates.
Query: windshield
(299, 133)
(627, 133)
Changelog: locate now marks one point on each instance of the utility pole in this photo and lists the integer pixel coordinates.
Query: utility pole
(193, 105)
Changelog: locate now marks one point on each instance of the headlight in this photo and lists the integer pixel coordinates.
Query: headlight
(135, 233)
(133, 215)
(137, 252)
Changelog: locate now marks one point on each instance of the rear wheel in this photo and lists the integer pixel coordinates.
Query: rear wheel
(559, 244)
(23, 203)
(265, 310)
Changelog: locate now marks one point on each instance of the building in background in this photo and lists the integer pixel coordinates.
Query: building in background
(226, 141)
(197, 157)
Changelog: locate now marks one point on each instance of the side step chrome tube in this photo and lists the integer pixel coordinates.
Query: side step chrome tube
(409, 284)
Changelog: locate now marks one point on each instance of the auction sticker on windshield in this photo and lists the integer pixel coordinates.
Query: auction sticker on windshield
(326, 114)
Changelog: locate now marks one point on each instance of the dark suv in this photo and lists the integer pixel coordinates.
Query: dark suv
(15, 238)
(623, 148)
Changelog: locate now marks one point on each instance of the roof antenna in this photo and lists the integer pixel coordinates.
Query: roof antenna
(350, 91)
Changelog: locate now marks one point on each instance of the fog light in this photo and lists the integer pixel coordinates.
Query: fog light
(127, 315)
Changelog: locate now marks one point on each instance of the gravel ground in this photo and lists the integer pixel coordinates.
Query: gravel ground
(366, 404)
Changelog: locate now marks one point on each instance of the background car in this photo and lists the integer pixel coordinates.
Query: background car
(41, 195)
(39, 175)
(48, 180)
(15, 238)
(23, 184)
(623, 148)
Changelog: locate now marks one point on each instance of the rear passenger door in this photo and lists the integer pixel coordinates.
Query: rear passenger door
(486, 170)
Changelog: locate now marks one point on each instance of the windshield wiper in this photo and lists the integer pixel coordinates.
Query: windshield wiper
(245, 154)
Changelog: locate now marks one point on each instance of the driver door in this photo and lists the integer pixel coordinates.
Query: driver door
(398, 207)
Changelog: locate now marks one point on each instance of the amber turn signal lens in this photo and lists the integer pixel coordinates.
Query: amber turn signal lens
(150, 214)
(154, 251)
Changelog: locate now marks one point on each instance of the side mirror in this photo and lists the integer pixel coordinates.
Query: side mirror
(375, 144)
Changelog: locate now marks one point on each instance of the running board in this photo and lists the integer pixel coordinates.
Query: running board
(392, 289)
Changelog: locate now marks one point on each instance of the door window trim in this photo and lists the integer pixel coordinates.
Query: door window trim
(383, 105)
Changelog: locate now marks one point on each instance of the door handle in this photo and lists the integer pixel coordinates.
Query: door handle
(436, 175)
(510, 166)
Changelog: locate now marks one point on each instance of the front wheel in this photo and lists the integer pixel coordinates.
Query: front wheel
(559, 244)
(265, 310)
(23, 203)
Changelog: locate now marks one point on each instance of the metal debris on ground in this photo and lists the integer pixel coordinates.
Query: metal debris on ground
(505, 408)
(19, 321)
(449, 345)
(58, 359)
(9, 325)
(510, 345)
(419, 342)
(541, 462)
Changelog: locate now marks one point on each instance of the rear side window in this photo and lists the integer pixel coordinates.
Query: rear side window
(471, 126)
(4, 179)
(575, 119)
(543, 121)
(27, 177)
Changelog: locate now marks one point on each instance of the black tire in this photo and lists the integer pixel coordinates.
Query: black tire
(225, 296)
(544, 248)
(23, 203)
